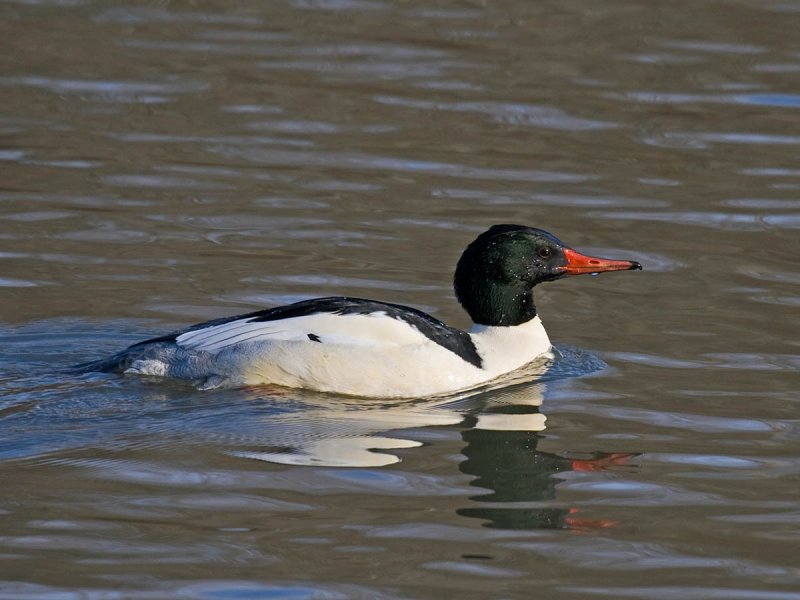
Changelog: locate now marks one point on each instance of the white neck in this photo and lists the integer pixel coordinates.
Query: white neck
(504, 349)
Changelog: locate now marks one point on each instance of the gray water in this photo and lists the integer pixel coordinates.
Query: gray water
(166, 163)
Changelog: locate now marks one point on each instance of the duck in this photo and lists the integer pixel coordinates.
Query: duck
(369, 348)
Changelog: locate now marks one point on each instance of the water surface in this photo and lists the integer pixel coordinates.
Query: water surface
(173, 162)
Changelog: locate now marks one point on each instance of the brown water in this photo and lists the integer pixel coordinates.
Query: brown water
(169, 162)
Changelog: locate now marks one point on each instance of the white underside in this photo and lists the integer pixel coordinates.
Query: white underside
(364, 355)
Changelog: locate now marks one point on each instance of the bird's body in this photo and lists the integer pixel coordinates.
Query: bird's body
(368, 348)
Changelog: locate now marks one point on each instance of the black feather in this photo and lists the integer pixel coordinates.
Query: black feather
(456, 341)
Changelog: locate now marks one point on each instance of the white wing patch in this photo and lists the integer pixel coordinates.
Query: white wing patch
(355, 329)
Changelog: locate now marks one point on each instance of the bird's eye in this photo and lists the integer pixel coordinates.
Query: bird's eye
(545, 252)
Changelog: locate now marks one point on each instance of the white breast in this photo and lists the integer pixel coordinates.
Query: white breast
(504, 349)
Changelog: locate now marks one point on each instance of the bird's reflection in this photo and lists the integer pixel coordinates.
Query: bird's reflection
(515, 477)
(341, 432)
(501, 428)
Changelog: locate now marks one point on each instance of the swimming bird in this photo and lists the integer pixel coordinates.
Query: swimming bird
(369, 348)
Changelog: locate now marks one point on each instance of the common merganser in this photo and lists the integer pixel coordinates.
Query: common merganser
(368, 348)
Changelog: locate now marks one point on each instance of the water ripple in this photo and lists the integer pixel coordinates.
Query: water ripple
(369, 162)
(118, 89)
(131, 15)
(683, 592)
(531, 115)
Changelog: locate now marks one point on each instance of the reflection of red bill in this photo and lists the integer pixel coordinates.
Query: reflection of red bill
(602, 462)
(573, 522)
